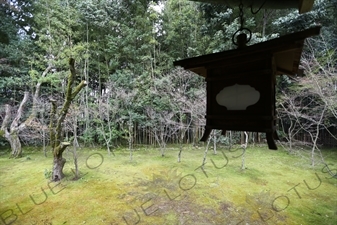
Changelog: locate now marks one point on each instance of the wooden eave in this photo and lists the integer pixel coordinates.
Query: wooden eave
(286, 52)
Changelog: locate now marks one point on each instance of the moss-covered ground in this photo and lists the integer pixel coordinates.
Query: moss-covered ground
(275, 188)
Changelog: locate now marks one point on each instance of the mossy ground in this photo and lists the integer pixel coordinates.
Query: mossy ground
(276, 188)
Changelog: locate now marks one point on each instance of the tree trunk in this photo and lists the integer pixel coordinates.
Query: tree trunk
(214, 143)
(58, 165)
(11, 133)
(130, 140)
(242, 138)
(264, 23)
(181, 139)
(56, 123)
(244, 146)
(206, 150)
(13, 139)
(44, 142)
(75, 145)
(179, 153)
(230, 140)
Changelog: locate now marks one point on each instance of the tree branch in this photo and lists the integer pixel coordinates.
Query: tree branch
(5, 122)
(15, 123)
(52, 123)
(36, 95)
(70, 95)
(78, 88)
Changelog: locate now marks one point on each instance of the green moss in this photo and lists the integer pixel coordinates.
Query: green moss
(111, 188)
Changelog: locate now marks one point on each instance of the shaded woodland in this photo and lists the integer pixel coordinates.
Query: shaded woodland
(124, 52)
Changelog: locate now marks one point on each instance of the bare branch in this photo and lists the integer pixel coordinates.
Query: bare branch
(15, 123)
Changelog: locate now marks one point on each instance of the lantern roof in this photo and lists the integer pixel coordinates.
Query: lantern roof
(303, 6)
(285, 51)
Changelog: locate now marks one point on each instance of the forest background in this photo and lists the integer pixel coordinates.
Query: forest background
(124, 50)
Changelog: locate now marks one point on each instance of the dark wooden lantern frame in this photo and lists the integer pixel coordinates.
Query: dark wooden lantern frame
(257, 66)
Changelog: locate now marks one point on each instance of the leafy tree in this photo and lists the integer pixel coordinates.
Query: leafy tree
(125, 50)
(55, 38)
(222, 21)
(323, 13)
(15, 46)
(181, 35)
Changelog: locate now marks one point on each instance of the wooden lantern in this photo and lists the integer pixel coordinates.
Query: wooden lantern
(241, 83)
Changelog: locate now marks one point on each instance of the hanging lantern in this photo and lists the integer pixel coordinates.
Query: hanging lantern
(241, 83)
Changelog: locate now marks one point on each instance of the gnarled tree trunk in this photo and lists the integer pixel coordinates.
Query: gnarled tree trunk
(11, 133)
(56, 123)
(15, 143)
(58, 165)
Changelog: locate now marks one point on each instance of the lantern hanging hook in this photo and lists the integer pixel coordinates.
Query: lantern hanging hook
(251, 7)
(241, 39)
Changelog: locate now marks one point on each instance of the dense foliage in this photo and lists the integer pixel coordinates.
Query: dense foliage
(125, 51)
